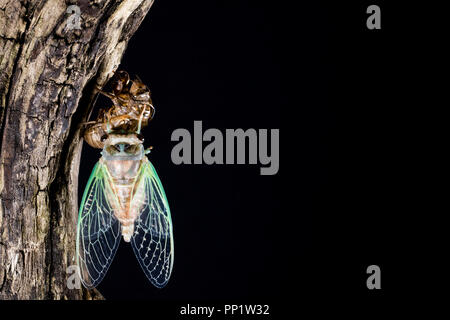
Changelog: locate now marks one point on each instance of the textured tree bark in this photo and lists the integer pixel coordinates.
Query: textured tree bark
(48, 75)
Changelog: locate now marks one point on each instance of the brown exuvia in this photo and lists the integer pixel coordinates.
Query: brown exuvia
(132, 109)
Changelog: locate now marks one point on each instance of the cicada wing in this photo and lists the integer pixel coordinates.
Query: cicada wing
(98, 230)
(152, 240)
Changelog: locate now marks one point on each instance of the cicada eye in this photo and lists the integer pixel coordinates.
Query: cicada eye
(140, 136)
(112, 149)
(132, 149)
(104, 137)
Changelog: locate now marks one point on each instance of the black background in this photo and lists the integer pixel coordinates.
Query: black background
(308, 233)
(217, 62)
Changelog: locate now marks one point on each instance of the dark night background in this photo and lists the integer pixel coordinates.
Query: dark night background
(217, 62)
(309, 232)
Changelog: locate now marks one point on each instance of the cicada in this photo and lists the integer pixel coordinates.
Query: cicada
(124, 197)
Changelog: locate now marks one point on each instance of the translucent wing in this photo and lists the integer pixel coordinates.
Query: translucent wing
(152, 241)
(98, 230)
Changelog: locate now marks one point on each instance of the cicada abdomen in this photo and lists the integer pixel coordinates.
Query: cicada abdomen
(124, 198)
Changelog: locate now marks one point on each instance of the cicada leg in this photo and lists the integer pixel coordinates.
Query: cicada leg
(108, 120)
(106, 94)
(140, 121)
(152, 111)
(88, 123)
(122, 122)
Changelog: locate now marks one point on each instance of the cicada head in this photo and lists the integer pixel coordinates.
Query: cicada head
(123, 147)
(122, 154)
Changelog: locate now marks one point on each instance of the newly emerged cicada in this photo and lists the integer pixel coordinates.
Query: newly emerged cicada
(124, 196)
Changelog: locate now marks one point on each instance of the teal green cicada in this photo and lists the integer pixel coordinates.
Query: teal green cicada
(124, 196)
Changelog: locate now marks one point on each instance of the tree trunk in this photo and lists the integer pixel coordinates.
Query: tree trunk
(48, 74)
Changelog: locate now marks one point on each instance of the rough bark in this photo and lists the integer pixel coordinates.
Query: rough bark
(48, 75)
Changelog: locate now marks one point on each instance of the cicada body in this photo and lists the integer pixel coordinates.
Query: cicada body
(124, 198)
